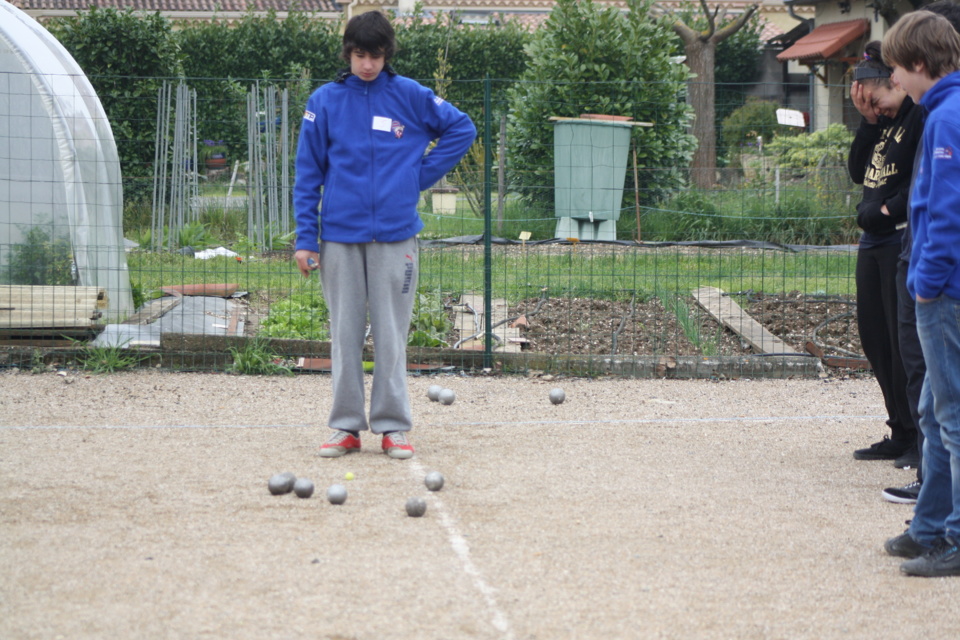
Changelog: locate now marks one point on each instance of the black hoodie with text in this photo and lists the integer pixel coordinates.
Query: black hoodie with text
(881, 159)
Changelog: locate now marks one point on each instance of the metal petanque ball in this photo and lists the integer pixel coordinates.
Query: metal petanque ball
(303, 488)
(557, 396)
(434, 481)
(416, 507)
(337, 494)
(281, 483)
(434, 392)
(447, 396)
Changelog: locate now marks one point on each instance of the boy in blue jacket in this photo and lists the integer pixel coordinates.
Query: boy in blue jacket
(360, 170)
(924, 51)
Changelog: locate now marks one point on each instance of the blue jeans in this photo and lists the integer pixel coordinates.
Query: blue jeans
(938, 506)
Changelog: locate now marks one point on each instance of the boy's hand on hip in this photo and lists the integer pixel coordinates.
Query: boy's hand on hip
(307, 261)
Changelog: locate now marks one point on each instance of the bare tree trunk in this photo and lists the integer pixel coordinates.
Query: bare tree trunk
(700, 59)
(701, 49)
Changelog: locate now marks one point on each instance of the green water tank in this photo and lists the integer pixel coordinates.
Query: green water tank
(590, 166)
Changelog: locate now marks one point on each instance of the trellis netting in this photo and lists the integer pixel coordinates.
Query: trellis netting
(61, 197)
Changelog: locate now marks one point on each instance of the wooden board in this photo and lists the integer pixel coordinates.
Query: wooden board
(152, 311)
(846, 362)
(325, 365)
(224, 290)
(632, 123)
(50, 307)
(468, 323)
(731, 315)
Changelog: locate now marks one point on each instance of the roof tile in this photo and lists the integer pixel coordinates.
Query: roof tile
(231, 6)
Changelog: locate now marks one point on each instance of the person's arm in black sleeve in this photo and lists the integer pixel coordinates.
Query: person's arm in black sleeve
(871, 218)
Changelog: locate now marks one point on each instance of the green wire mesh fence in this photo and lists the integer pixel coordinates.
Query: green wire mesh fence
(747, 277)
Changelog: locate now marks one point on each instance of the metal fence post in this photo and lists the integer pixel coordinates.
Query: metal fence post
(487, 228)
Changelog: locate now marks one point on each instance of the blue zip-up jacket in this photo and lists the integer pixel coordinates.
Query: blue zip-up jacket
(362, 145)
(935, 201)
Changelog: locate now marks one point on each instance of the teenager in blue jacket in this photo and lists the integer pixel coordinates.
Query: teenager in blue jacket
(360, 170)
(924, 51)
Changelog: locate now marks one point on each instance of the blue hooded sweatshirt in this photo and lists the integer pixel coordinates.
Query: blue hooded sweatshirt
(362, 144)
(935, 201)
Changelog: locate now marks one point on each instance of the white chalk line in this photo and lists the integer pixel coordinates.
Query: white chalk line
(460, 547)
(497, 423)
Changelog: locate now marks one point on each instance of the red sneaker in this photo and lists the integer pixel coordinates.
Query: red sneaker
(396, 445)
(340, 443)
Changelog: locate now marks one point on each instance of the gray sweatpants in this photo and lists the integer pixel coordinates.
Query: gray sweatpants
(379, 279)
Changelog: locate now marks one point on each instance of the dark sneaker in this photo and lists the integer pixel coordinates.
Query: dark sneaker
(903, 546)
(941, 561)
(397, 445)
(886, 449)
(909, 460)
(340, 444)
(906, 494)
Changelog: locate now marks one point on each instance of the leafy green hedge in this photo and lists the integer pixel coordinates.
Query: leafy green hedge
(126, 56)
(578, 64)
(470, 51)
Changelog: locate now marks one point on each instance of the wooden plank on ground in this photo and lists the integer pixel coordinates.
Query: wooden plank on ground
(224, 290)
(50, 307)
(153, 311)
(731, 315)
(325, 365)
(469, 323)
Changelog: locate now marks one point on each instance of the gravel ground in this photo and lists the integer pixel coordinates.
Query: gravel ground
(135, 505)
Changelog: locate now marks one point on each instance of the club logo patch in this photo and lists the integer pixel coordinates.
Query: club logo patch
(943, 153)
(397, 129)
(309, 115)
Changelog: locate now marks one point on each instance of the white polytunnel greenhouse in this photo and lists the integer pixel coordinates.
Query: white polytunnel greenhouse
(61, 198)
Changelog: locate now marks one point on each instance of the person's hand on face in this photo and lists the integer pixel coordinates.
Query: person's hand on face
(862, 99)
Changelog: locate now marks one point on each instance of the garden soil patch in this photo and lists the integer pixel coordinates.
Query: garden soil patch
(644, 328)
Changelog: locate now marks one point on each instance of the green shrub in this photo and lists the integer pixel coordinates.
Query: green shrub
(302, 316)
(255, 47)
(224, 58)
(577, 64)
(430, 323)
(257, 358)
(41, 259)
(225, 223)
(792, 220)
(469, 52)
(740, 130)
(687, 215)
(828, 147)
(107, 359)
(195, 234)
(305, 316)
(127, 56)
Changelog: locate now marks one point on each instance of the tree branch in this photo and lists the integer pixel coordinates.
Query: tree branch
(711, 21)
(687, 35)
(734, 26)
